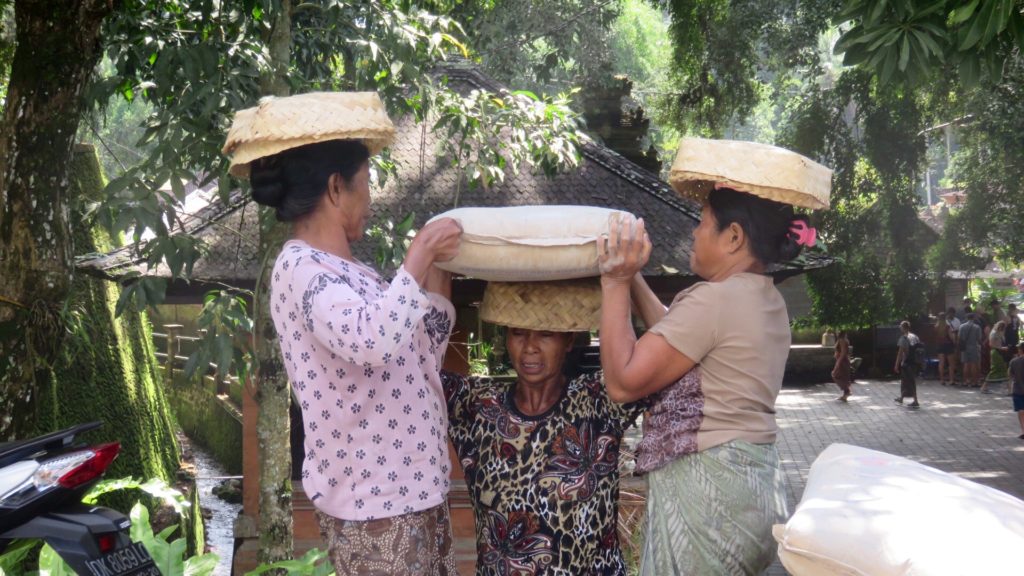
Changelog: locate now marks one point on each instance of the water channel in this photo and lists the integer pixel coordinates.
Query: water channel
(220, 536)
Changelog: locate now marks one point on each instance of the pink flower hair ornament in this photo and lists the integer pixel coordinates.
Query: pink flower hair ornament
(803, 234)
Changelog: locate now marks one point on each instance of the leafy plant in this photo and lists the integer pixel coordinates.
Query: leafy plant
(392, 241)
(908, 39)
(16, 556)
(156, 487)
(479, 355)
(226, 323)
(313, 563)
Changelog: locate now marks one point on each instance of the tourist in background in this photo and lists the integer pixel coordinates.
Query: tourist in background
(969, 339)
(1013, 324)
(997, 364)
(1017, 376)
(841, 373)
(947, 350)
(906, 364)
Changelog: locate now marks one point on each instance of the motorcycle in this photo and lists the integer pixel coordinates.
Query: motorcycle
(42, 482)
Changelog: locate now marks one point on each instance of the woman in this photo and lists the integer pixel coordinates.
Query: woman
(541, 454)
(946, 350)
(715, 485)
(841, 373)
(362, 353)
(997, 373)
(906, 364)
(947, 328)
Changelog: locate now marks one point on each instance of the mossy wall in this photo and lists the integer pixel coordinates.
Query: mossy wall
(107, 369)
(209, 421)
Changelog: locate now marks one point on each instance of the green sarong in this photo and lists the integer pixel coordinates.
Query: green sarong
(711, 513)
(998, 374)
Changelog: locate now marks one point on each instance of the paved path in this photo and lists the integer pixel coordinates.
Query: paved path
(957, 430)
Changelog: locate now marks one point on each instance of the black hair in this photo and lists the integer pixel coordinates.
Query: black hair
(293, 181)
(765, 222)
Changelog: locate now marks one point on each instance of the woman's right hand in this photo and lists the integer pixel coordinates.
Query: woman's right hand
(438, 241)
(624, 250)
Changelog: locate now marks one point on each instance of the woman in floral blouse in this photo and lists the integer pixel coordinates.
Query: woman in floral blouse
(362, 353)
(541, 454)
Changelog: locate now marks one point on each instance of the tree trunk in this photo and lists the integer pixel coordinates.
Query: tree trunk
(58, 47)
(273, 392)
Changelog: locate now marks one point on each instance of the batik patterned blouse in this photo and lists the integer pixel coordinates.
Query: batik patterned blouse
(544, 488)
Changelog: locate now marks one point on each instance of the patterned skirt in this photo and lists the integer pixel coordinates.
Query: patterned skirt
(711, 513)
(415, 544)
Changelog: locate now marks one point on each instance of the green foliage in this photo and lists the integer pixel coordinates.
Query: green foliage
(908, 40)
(989, 166)
(519, 128)
(479, 356)
(393, 241)
(872, 229)
(193, 64)
(225, 325)
(545, 46)
(17, 556)
(156, 487)
(642, 51)
(312, 563)
(724, 50)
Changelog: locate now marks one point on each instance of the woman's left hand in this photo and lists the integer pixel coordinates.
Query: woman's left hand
(625, 249)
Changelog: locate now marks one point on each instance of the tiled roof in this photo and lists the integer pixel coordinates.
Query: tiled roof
(427, 185)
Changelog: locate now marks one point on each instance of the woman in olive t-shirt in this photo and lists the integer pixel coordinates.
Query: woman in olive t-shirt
(714, 362)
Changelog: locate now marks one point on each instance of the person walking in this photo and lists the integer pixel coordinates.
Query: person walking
(841, 373)
(362, 353)
(907, 364)
(1017, 378)
(969, 342)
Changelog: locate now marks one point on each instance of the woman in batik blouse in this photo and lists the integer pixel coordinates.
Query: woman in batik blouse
(540, 454)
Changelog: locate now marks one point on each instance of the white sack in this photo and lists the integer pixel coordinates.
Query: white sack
(528, 243)
(870, 513)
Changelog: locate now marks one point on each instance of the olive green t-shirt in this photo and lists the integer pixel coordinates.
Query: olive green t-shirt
(738, 332)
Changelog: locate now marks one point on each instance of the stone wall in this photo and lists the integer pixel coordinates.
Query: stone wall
(208, 418)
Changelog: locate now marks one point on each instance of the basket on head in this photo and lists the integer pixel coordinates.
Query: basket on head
(562, 306)
(279, 124)
(760, 169)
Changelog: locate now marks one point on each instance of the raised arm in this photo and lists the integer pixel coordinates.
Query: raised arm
(632, 369)
(648, 306)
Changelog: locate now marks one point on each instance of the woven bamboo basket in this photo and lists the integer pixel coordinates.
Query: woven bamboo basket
(759, 169)
(279, 124)
(563, 306)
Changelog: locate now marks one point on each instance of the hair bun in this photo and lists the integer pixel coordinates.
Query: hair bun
(267, 183)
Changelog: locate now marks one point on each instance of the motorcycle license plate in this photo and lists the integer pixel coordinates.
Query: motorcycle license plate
(129, 561)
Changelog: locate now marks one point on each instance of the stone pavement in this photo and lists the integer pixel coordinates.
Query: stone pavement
(957, 430)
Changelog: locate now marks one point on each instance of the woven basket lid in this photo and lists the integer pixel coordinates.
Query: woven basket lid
(759, 169)
(563, 306)
(279, 124)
